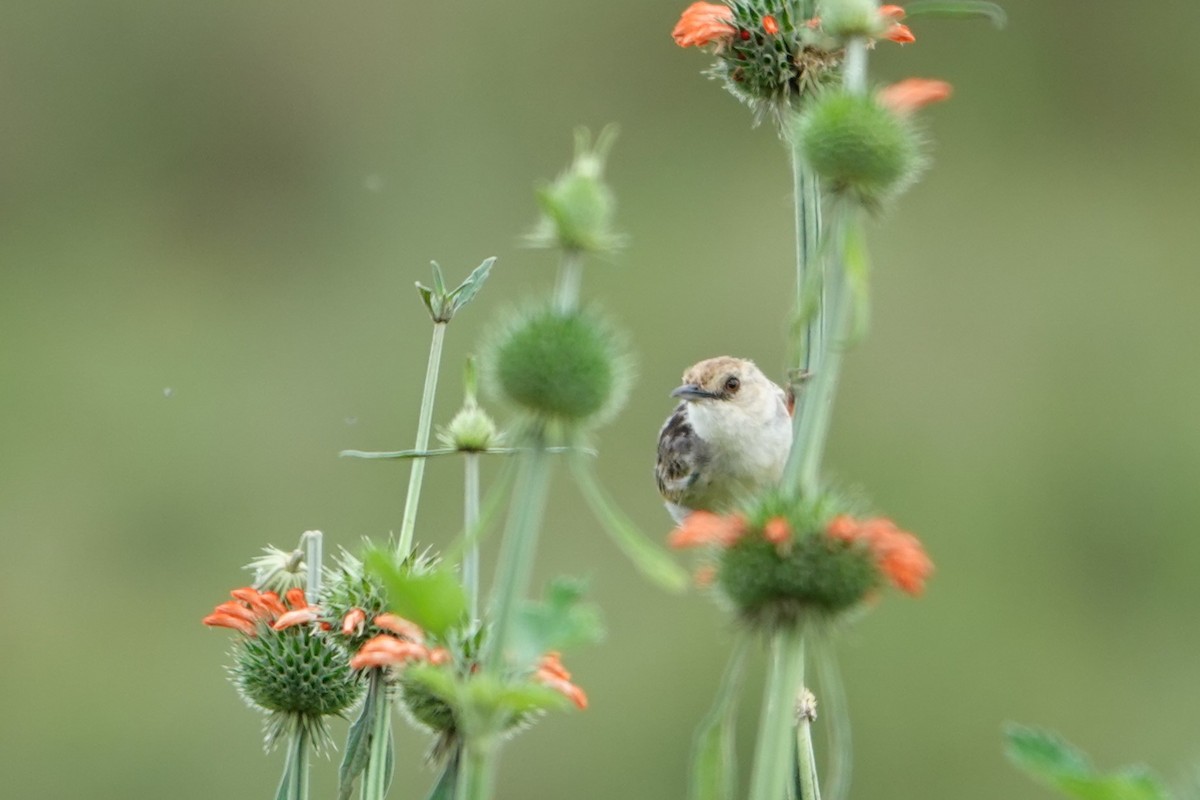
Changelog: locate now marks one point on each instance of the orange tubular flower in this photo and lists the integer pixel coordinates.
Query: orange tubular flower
(908, 95)
(250, 606)
(770, 25)
(353, 621)
(777, 530)
(899, 554)
(704, 528)
(400, 626)
(219, 619)
(551, 673)
(702, 24)
(385, 650)
(900, 34)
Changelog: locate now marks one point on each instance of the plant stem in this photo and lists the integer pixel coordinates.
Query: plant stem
(515, 561)
(378, 773)
(773, 753)
(295, 771)
(570, 279)
(812, 429)
(470, 564)
(311, 541)
(477, 768)
(424, 423)
(810, 789)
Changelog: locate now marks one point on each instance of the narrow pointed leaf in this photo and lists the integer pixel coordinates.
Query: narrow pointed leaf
(426, 297)
(467, 290)
(1051, 760)
(655, 563)
(439, 281)
(447, 784)
(358, 744)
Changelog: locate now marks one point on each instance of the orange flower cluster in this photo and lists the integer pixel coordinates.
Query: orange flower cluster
(403, 642)
(249, 607)
(703, 24)
(899, 554)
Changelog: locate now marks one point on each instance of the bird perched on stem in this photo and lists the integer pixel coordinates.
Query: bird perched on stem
(729, 437)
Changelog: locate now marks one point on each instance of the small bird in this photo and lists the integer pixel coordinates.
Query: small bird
(730, 437)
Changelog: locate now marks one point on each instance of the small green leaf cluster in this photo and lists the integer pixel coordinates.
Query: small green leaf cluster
(443, 304)
(858, 148)
(1049, 759)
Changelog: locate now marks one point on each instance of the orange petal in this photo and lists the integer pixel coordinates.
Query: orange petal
(551, 664)
(565, 688)
(893, 13)
(251, 597)
(843, 527)
(704, 528)
(704, 576)
(770, 25)
(400, 626)
(439, 655)
(703, 23)
(301, 616)
(296, 599)
(234, 609)
(219, 619)
(384, 650)
(908, 95)
(777, 530)
(353, 621)
(270, 601)
(900, 34)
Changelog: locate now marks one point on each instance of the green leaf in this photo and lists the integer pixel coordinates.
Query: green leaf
(447, 784)
(434, 600)
(439, 281)
(957, 8)
(467, 290)
(358, 748)
(1048, 758)
(653, 562)
(561, 621)
(426, 298)
(714, 765)
(858, 269)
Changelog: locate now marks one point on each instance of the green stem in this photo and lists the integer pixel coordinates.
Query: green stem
(477, 768)
(311, 541)
(570, 279)
(295, 771)
(378, 773)
(515, 561)
(812, 428)
(773, 753)
(424, 423)
(470, 564)
(810, 789)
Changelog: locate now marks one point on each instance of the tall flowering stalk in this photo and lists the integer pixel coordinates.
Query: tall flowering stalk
(795, 561)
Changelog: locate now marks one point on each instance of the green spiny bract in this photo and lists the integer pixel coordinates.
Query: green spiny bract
(297, 676)
(472, 430)
(560, 367)
(809, 577)
(349, 585)
(772, 72)
(858, 147)
(578, 207)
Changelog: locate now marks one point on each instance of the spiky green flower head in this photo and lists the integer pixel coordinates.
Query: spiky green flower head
(578, 207)
(352, 592)
(298, 677)
(775, 58)
(471, 431)
(568, 369)
(860, 148)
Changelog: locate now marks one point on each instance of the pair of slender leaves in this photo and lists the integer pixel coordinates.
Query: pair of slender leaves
(443, 304)
(1049, 759)
(360, 742)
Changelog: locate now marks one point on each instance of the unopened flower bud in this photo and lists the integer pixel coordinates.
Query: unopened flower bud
(578, 207)
(846, 18)
(567, 367)
(471, 430)
(858, 147)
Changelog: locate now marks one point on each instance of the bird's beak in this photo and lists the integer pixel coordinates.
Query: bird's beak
(690, 391)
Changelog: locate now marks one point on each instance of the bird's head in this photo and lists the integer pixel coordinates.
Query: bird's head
(725, 379)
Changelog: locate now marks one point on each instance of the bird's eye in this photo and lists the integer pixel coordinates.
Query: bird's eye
(732, 384)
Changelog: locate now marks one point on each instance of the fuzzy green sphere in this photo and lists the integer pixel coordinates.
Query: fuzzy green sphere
(563, 367)
(857, 146)
(296, 671)
(813, 574)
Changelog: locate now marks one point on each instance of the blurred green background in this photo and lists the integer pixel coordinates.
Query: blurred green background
(211, 217)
